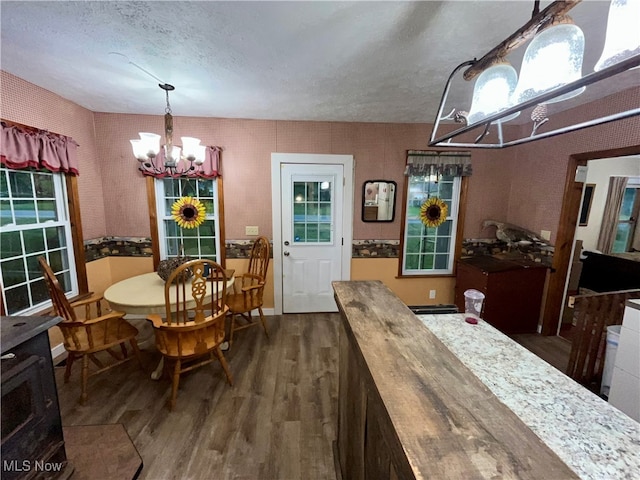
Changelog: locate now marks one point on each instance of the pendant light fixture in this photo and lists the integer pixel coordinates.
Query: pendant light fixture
(171, 159)
(552, 59)
(493, 92)
(551, 71)
(623, 33)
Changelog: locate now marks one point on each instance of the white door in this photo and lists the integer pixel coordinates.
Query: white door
(311, 202)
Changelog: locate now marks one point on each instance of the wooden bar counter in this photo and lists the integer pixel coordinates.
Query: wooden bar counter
(410, 409)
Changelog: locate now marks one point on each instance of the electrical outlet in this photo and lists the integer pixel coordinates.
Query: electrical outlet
(545, 234)
(432, 294)
(252, 230)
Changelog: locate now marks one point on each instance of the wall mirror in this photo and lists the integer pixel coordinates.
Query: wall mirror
(378, 201)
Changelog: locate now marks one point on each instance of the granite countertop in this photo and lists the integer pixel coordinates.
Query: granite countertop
(596, 440)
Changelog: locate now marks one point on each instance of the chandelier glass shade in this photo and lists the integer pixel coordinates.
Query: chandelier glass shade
(552, 59)
(623, 33)
(492, 93)
(175, 160)
(147, 146)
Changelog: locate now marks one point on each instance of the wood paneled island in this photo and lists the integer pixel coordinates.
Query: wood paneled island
(409, 408)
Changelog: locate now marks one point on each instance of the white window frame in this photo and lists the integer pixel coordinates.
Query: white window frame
(452, 215)
(62, 211)
(163, 216)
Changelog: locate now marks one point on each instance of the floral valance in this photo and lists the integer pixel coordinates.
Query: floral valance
(24, 147)
(210, 168)
(424, 162)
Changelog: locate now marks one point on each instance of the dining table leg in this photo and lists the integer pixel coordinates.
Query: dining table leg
(157, 373)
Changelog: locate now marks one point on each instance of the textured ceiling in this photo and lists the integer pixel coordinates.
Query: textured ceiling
(341, 61)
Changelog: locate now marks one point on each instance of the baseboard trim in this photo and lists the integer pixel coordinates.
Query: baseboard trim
(58, 353)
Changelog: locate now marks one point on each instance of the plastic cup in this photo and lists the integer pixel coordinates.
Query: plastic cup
(473, 300)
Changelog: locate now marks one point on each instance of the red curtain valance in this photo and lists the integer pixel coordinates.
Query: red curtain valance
(24, 147)
(210, 168)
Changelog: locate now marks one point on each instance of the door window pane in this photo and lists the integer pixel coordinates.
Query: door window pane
(312, 211)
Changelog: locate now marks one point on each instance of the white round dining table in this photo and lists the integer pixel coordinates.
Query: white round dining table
(143, 294)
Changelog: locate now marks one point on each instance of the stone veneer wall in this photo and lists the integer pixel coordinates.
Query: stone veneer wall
(375, 249)
(141, 247)
(537, 251)
(117, 247)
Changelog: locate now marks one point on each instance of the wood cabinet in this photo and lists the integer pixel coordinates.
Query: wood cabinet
(513, 291)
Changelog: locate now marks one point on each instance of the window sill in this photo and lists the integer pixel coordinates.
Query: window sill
(423, 275)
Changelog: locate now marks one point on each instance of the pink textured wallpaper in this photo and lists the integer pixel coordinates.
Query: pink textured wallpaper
(539, 169)
(28, 104)
(379, 151)
(521, 185)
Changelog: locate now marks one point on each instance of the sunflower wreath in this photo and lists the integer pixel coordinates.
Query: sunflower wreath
(433, 212)
(188, 212)
(166, 267)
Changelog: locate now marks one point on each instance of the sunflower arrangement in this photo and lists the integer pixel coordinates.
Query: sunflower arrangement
(188, 212)
(433, 212)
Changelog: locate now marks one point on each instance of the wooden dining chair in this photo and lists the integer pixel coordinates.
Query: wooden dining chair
(86, 337)
(193, 329)
(248, 290)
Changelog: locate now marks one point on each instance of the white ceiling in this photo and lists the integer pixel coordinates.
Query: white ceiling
(315, 60)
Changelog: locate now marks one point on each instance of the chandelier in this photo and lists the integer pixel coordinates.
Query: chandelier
(172, 159)
(550, 73)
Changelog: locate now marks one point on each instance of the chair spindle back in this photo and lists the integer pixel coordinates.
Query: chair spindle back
(197, 286)
(259, 259)
(61, 304)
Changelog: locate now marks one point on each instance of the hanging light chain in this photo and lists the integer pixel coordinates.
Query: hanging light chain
(168, 128)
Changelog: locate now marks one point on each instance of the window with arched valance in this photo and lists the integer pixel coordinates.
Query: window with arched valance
(431, 230)
(23, 147)
(39, 216)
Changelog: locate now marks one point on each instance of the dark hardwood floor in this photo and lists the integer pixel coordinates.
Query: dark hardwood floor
(554, 350)
(277, 422)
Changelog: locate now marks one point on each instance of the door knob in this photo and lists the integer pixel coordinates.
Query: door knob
(286, 254)
(286, 243)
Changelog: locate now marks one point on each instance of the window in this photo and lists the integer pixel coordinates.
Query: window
(200, 242)
(35, 222)
(426, 250)
(627, 218)
(312, 217)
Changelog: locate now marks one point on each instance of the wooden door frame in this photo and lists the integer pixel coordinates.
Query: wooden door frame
(277, 159)
(566, 234)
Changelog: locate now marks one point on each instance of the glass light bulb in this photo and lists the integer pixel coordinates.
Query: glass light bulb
(190, 147)
(150, 143)
(492, 93)
(623, 33)
(552, 59)
(138, 150)
(200, 154)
